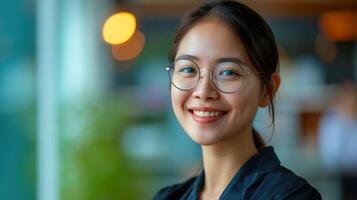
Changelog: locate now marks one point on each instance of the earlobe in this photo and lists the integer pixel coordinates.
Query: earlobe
(266, 98)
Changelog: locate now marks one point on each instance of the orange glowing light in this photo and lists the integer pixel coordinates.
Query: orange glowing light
(130, 49)
(119, 28)
(339, 25)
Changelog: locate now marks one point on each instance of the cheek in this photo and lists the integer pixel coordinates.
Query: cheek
(244, 112)
(246, 102)
(243, 104)
(178, 100)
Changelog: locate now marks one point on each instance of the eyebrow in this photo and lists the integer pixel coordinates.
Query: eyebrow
(219, 60)
(187, 57)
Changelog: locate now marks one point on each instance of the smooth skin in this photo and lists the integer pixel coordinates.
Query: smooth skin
(227, 143)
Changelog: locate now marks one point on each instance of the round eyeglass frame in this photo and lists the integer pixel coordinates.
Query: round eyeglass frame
(170, 68)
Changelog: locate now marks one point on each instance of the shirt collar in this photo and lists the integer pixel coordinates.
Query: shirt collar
(263, 161)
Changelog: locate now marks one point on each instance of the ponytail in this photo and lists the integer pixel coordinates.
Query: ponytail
(258, 140)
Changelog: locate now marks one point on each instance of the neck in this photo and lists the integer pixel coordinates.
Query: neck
(222, 160)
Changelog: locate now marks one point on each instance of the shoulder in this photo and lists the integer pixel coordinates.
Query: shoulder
(287, 185)
(175, 191)
(269, 177)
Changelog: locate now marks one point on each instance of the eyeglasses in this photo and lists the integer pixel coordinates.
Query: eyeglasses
(227, 77)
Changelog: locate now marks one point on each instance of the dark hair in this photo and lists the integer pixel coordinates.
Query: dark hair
(255, 35)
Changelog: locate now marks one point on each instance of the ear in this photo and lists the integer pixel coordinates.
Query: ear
(265, 98)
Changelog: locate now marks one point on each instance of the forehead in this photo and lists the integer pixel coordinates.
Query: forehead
(211, 39)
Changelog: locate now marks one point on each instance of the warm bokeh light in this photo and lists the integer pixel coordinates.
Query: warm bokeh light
(119, 28)
(130, 49)
(326, 49)
(339, 25)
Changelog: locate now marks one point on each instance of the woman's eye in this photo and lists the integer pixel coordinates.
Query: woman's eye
(187, 70)
(228, 73)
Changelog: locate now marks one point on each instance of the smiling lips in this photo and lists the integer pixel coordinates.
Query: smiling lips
(206, 115)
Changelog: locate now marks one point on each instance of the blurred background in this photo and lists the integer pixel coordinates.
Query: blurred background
(85, 111)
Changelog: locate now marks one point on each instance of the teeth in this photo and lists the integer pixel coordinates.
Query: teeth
(207, 114)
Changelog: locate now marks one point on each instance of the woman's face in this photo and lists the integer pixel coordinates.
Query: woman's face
(229, 115)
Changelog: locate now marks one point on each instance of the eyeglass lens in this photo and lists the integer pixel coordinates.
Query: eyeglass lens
(226, 76)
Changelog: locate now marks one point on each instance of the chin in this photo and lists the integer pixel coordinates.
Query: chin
(204, 142)
(204, 139)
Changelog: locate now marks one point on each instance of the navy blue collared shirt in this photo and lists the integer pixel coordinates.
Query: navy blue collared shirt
(261, 177)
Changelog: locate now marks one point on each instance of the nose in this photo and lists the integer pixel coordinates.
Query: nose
(205, 89)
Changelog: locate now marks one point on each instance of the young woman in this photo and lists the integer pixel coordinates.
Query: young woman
(224, 66)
